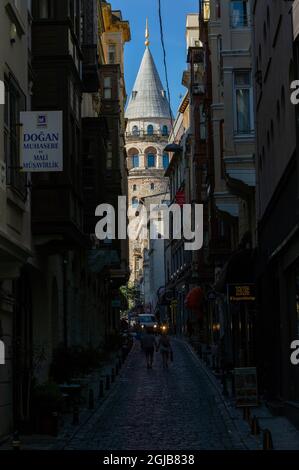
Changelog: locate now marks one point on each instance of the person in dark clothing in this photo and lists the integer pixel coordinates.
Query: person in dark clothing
(148, 344)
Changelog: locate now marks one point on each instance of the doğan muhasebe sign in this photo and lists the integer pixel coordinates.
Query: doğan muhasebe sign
(41, 141)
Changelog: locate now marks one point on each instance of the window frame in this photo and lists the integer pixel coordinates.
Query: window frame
(135, 158)
(249, 87)
(245, 18)
(149, 156)
(107, 88)
(150, 129)
(15, 179)
(165, 155)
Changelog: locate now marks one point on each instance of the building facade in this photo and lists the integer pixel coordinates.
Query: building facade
(275, 56)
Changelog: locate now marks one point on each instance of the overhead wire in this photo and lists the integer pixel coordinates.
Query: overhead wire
(165, 61)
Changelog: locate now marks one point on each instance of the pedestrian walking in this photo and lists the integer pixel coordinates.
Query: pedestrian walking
(148, 344)
(165, 348)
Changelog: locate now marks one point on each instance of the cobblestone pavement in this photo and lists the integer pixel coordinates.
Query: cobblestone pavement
(158, 409)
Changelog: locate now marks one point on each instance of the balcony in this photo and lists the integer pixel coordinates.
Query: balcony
(240, 174)
(144, 135)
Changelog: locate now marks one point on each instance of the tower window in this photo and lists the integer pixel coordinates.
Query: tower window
(134, 187)
(135, 130)
(135, 161)
(151, 160)
(135, 202)
(165, 130)
(165, 161)
(152, 186)
(150, 130)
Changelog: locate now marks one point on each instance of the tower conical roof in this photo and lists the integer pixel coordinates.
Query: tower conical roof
(148, 98)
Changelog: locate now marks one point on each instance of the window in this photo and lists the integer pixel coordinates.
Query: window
(239, 13)
(243, 103)
(107, 88)
(151, 160)
(109, 161)
(135, 130)
(165, 161)
(112, 54)
(202, 123)
(135, 161)
(46, 9)
(150, 130)
(152, 186)
(165, 130)
(15, 103)
(135, 202)
(134, 187)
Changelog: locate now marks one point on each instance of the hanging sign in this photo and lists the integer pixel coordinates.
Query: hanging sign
(241, 292)
(41, 141)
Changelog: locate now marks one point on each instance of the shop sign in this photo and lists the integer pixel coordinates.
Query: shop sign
(41, 141)
(246, 386)
(241, 292)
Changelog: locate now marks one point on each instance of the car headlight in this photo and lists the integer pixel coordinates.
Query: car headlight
(155, 326)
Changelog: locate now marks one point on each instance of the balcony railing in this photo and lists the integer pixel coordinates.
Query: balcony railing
(140, 134)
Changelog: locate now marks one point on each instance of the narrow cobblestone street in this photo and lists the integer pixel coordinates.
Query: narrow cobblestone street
(160, 409)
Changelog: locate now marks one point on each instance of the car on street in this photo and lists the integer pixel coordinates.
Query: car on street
(147, 320)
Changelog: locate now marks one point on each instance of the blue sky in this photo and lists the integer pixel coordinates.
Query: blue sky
(174, 18)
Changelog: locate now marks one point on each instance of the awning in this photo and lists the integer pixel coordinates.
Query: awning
(194, 299)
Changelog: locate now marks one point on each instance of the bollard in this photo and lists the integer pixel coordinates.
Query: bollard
(267, 440)
(113, 375)
(101, 388)
(16, 443)
(107, 382)
(246, 413)
(76, 415)
(255, 427)
(91, 400)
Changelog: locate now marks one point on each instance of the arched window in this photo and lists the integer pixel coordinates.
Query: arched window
(150, 130)
(135, 202)
(164, 130)
(134, 187)
(135, 130)
(165, 161)
(151, 160)
(135, 161)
